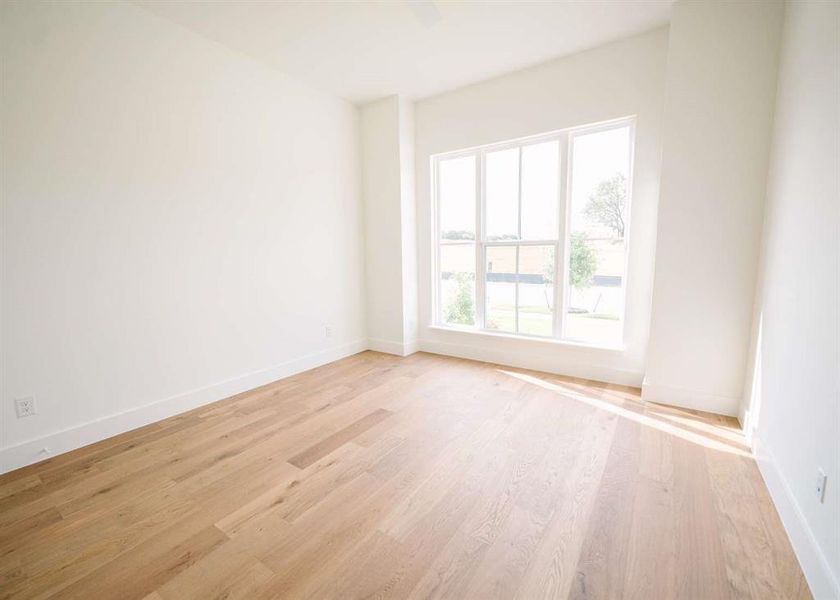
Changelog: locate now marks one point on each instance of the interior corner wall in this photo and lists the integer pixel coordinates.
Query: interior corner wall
(794, 415)
(408, 221)
(180, 224)
(721, 84)
(383, 231)
(390, 248)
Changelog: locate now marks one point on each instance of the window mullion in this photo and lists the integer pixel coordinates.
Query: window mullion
(480, 260)
(516, 294)
(560, 256)
(549, 242)
(518, 236)
(436, 289)
(519, 199)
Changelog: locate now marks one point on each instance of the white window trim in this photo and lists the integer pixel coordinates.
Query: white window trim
(561, 244)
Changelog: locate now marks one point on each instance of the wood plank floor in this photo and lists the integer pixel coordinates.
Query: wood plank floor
(418, 477)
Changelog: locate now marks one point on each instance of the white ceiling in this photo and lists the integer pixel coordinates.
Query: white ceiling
(366, 50)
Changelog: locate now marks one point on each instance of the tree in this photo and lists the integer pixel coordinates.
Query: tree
(606, 203)
(461, 309)
(504, 236)
(548, 276)
(582, 263)
(457, 234)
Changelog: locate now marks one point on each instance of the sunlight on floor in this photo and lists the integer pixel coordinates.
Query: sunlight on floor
(703, 439)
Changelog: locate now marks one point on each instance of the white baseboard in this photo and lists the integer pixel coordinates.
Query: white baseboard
(674, 396)
(547, 363)
(65, 440)
(398, 348)
(822, 581)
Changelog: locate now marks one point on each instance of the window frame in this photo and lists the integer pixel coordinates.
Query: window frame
(560, 243)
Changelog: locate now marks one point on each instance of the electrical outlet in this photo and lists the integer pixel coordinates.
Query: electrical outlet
(328, 332)
(25, 407)
(820, 488)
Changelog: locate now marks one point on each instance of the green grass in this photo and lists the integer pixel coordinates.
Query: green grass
(542, 310)
(532, 319)
(529, 321)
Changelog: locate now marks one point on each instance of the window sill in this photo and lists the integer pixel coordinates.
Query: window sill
(540, 340)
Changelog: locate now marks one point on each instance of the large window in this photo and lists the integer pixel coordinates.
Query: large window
(531, 235)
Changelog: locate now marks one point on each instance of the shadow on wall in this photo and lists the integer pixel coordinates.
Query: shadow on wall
(754, 404)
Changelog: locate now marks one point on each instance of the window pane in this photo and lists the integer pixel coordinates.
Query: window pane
(540, 182)
(500, 286)
(600, 169)
(457, 284)
(457, 198)
(502, 194)
(536, 290)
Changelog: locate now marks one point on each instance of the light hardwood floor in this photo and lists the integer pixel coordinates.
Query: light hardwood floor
(426, 476)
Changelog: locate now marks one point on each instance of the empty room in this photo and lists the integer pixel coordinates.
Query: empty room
(419, 299)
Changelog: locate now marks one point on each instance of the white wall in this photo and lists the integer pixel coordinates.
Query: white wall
(383, 234)
(179, 223)
(390, 244)
(616, 80)
(797, 429)
(408, 223)
(722, 62)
